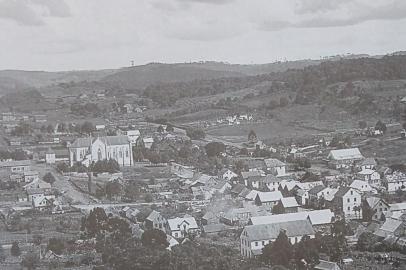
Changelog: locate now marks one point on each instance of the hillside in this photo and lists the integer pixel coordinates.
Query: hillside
(140, 77)
(11, 85)
(43, 78)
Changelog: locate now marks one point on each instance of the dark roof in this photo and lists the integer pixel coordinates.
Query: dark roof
(316, 189)
(109, 140)
(237, 189)
(341, 192)
(213, 228)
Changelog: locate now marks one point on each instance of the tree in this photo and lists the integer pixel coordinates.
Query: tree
(148, 197)
(49, 178)
(380, 126)
(113, 188)
(160, 129)
(278, 209)
(15, 249)
(362, 124)
(169, 128)
(279, 252)
(283, 101)
(101, 166)
(155, 238)
(87, 128)
(306, 253)
(50, 128)
(252, 136)
(214, 149)
(95, 223)
(195, 133)
(30, 261)
(2, 254)
(56, 245)
(37, 239)
(367, 211)
(138, 155)
(62, 167)
(273, 104)
(61, 127)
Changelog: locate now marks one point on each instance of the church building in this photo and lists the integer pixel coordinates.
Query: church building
(90, 149)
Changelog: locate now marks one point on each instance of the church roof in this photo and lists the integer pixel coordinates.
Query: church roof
(109, 140)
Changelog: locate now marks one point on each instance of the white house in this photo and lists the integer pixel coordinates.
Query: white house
(379, 206)
(268, 198)
(43, 201)
(89, 150)
(348, 200)
(344, 158)
(275, 166)
(16, 166)
(132, 135)
(182, 227)
(227, 174)
(368, 163)
(50, 157)
(371, 176)
(362, 186)
(255, 237)
(30, 176)
(155, 221)
(395, 181)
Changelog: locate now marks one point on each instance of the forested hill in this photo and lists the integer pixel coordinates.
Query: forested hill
(307, 83)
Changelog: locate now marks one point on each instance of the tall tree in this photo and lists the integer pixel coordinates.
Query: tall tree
(15, 249)
(279, 252)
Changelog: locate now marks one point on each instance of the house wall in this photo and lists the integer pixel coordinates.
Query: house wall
(247, 246)
(381, 208)
(349, 202)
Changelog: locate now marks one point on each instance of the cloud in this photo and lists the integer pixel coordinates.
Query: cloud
(56, 8)
(19, 12)
(316, 6)
(27, 12)
(324, 14)
(216, 2)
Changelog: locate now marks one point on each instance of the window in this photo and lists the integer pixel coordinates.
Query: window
(355, 199)
(256, 243)
(351, 192)
(349, 208)
(348, 200)
(263, 243)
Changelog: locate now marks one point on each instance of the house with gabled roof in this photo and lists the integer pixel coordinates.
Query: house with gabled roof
(268, 198)
(155, 221)
(344, 158)
(348, 201)
(317, 218)
(379, 206)
(371, 176)
(275, 166)
(362, 186)
(182, 227)
(289, 204)
(326, 265)
(255, 237)
(368, 163)
(227, 174)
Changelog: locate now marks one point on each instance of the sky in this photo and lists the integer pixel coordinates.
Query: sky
(57, 35)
